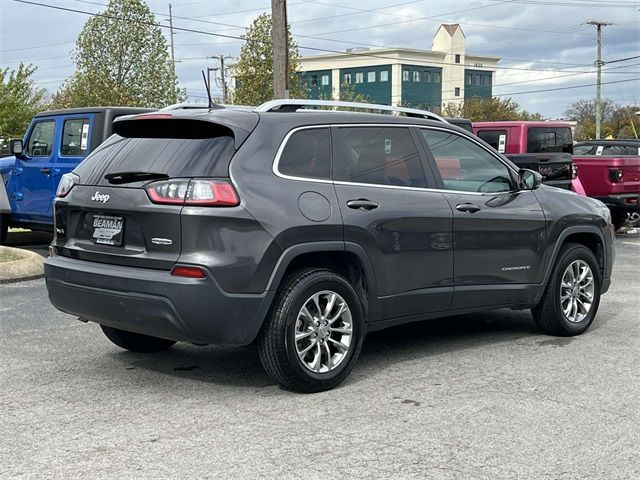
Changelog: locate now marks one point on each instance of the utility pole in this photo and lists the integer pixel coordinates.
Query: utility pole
(280, 49)
(223, 80)
(171, 34)
(599, 63)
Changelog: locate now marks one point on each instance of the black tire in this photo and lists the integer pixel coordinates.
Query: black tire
(276, 342)
(4, 227)
(548, 314)
(136, 342)
(618, 219)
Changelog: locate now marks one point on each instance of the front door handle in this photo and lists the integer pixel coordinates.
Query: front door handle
(362, 204)
(45, 171)
(467, 207)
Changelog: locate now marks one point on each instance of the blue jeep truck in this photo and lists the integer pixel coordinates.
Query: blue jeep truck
(54, 144)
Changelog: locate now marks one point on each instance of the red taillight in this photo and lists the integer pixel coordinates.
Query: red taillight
(574, 171)
(188, 272)
(209, 193)
(615, 175)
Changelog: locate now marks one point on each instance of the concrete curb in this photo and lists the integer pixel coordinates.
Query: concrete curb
(29, 267)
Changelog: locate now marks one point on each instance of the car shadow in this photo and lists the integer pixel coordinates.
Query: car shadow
(240, 367)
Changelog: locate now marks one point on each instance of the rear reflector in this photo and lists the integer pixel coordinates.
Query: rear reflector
(202, 192)
(188, 272)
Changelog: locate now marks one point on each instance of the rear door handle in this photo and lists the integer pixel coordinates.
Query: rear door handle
(362, 204)
(45, 171)
(467, 207)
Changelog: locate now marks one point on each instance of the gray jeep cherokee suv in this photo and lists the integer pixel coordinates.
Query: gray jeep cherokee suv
(300, 230)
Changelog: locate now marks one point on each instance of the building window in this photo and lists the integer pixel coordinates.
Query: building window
(314, 80)
(416, 76)
(457, 58)
(477, 80)
(359, 77)
(427, 77)
(325, 80)
(347, 78)
(405, 75)
(435, 77)
(467, 79)
(486, 80)
(371, 77)
(457, 91)
(384, 76)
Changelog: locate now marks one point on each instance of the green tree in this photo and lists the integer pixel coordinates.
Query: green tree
(254, 71)
(491, 109)
(121, 58)
(20, 99)
(347, 94)
(617, 121)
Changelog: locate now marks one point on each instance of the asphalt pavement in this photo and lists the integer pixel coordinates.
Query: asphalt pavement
(472, 397)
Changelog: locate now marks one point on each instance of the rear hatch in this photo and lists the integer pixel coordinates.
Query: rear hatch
(125, 205)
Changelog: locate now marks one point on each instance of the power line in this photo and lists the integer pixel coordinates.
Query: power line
(566, 88)
(235, 37)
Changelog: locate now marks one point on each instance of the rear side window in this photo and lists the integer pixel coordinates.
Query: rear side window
(549, 140)
(40, 143)
(75, 137)
(307, 153)
(496, 138)
(378, 155)
(176, 157)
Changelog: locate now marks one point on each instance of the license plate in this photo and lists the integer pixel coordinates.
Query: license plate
(107, 230)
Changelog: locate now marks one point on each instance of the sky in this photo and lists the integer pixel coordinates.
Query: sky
(543, 44)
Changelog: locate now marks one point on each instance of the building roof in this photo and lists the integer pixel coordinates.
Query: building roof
(451, 28)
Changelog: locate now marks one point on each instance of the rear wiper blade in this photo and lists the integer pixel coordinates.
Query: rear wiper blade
(119, 178)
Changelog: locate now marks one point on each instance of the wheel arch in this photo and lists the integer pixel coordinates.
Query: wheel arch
(589, 236)
(346, 258)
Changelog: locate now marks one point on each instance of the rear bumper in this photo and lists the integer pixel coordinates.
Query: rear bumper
(625, 201)
(153, 302)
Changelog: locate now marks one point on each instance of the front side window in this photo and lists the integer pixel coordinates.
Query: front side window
(371, 77)
(40, 143)
(384, 76)
(465, 166)
(377, 155)
(75, 137)
(360, 77)
(547, 140)
(307, 154)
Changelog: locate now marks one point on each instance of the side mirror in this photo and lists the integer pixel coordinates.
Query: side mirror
(528, 179)
(15, 147)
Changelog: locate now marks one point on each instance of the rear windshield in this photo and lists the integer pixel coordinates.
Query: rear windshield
(606, 150)
(548, 140)
(176, 157)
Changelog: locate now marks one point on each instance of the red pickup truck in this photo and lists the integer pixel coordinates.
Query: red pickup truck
(610, 171)
(545, 147)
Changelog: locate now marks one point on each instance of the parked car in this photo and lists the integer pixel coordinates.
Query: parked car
(300, 232)
(610, 171)
(54, 144)
(545, 147)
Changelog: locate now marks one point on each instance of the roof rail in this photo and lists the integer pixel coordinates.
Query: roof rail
(292, 105)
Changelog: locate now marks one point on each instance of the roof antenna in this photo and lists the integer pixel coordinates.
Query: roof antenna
(208, 88)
